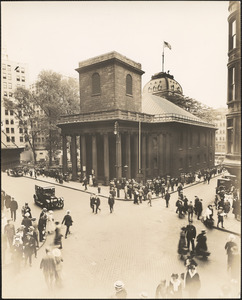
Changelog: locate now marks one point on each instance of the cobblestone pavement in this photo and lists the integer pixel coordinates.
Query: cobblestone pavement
(136, 244)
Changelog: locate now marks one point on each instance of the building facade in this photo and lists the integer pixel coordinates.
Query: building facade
(118, 136)
(233, 151)
(220, 134)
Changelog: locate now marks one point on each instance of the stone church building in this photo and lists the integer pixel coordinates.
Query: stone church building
(121, 132)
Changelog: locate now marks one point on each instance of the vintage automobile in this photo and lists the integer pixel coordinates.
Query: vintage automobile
(16, 172)
(223, 184)
(45, 197)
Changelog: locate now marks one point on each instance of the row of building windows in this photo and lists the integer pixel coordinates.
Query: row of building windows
(6, 94)
(9, 68)
(221, 131)
(22, 139)
(96, 84)
(7, 85)
(9, 112)
(7, 122)
(18, 78)
(218, 146)
(220, 138)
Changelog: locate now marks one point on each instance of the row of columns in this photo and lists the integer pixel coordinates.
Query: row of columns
(163, 154)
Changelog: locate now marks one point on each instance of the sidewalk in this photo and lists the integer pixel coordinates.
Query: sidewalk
(232, 225)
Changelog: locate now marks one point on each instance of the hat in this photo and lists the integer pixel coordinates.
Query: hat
(118, 284)
(12, 198)
(231, 237)
(174, 275)
(44, 209)
(56, 252)
(33, 219)
(57, 223)
(26, 203)
(68, 211)
(183, 228)
(203, 231)
(27, 215)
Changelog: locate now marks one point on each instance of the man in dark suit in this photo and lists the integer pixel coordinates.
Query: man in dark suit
(199, 208)
(13, 208)
(111, 202)
(92, 202)
(97, 202)
(67, 220)
(167, 197)
(190, 234)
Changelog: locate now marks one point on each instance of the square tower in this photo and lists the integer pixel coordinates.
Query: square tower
(109, 82)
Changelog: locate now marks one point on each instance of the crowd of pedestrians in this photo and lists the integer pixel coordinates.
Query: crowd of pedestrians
(22, 243)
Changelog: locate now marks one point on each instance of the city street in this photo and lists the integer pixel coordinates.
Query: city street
(136, 244)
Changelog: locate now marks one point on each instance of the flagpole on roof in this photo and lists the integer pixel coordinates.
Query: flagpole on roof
(163, 58)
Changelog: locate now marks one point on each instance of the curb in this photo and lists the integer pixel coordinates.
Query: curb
(126, 200)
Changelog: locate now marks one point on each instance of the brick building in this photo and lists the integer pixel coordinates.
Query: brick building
(121, 133)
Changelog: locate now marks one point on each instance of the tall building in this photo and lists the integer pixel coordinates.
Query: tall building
(14, 74)
(220, 134)
(121, 133)
(233, 152)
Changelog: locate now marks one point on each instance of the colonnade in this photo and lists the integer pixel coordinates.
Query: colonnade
(106, 154)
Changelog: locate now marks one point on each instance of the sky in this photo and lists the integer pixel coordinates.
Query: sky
(57, 35)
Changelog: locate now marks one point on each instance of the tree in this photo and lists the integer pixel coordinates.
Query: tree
(55, 96)
(29, 123)
(193, 106)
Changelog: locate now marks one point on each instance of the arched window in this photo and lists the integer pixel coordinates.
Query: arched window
(129, 85)
(96, 89)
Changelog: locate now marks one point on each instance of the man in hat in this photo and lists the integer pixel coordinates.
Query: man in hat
(13, 208)
(92, 202)
(67, 220)
(190, 210)
(9, 231)
(42, 224)
(29, 246)
(34, 235)
(195, 204)
(167, 198)
(111, 202)
(48, 266)
(192, 281)
(220, 214)
(26, 209)
(26, 222)
(190, 234)
(199, 208)
(120, 292)
(98, 203)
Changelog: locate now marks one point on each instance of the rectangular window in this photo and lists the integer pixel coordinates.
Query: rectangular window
(10, 94)
(7, 122)
(181, 139)
(11, 112)
(9, 85)
(22, 70)
(18, 78)
(11, 122)
(4, 75)
(21, 139)
(4, 67)
(26, 139)
(20, 130)
(23, 78)
(9, 77)
(9, 68)
(12, 130)
(8, 139)
(7, 130)
(13, 139)
(231, 84)
(5, 94)
(6, 112)
(5, 85)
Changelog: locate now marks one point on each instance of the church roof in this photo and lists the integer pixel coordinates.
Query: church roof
(162, 108)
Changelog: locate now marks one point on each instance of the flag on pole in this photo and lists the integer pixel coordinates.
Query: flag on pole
(167, 45)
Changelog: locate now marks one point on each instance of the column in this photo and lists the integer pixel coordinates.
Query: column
(83, 152)
(168, 154)
(143, 156)
(128, 155)
(118, 156)
(136, 154)
(74, 157)
(106, 157)
(149, 162)
(64, 155)
(161, 149)
(94, 154)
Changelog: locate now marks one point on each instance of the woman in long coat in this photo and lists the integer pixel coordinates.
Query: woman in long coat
(182, 245)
